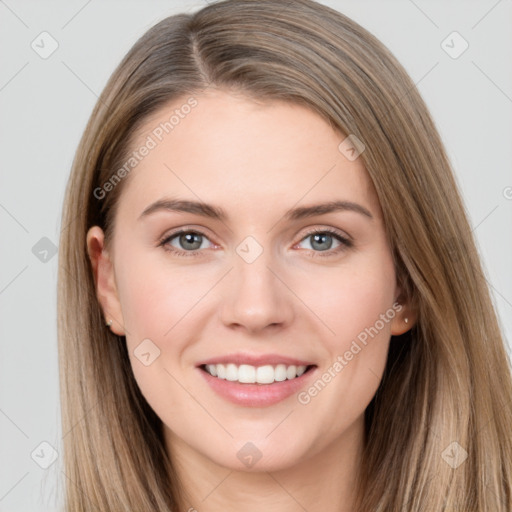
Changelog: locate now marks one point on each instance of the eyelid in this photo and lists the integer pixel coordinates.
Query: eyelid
(328, 229)
(201, 230)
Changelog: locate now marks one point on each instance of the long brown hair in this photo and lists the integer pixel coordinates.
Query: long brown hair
(446, 392)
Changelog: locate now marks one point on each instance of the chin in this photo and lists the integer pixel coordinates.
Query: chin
(259, 455)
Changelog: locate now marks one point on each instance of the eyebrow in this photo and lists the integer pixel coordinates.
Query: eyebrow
(216, 212)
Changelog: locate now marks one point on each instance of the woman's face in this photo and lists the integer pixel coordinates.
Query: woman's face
(248, 282)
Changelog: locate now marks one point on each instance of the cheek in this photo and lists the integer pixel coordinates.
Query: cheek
(161, 303)
(356, 311)
(157, 302)
(352, 301)
(155, 297)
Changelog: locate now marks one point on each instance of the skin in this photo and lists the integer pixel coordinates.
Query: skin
(255, 160)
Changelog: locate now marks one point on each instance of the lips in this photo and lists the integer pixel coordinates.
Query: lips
(257, 395)
(289, 375)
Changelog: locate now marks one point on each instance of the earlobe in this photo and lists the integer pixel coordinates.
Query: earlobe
(104, 280)
(405, 316)
(402, 322)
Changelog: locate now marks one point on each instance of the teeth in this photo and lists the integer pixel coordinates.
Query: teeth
(247, 374)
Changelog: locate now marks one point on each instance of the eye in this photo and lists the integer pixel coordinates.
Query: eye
(190, 242)
(184, 243)
(321, 240)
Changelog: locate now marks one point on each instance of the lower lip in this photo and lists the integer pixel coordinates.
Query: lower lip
(256, 395)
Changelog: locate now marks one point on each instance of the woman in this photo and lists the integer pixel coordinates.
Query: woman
(328, 341)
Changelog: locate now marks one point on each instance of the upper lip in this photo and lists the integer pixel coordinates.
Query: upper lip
(255, 360)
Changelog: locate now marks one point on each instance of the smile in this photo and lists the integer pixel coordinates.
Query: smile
(256, 386)
(248, 374)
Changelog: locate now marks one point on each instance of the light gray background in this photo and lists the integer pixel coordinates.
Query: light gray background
(45, 104)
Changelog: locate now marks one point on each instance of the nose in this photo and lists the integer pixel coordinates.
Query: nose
(255, 296)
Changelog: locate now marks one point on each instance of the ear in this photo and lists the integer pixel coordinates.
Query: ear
(104, 279)
(404, 310)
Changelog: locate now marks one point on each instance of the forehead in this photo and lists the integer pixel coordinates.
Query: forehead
(233, 150)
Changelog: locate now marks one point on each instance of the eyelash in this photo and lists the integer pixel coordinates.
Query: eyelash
(345, 243)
